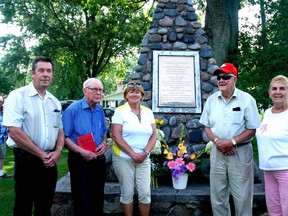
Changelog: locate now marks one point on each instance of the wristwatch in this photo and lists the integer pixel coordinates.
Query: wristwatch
(233, 142)
(147, 154)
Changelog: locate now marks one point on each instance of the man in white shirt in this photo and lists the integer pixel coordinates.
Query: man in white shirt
(230, 117)
(33, 116)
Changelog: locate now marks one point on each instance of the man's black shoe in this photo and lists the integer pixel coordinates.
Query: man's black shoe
(6, 176)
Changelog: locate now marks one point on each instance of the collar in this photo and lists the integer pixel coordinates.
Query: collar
(32, 91)
(234, 95)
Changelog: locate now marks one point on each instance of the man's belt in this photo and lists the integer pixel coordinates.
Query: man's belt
(243, 143)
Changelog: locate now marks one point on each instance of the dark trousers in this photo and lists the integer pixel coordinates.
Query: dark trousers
(34, 184)
(87, 184)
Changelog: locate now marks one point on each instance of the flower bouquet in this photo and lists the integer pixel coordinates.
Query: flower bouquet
(178, 160)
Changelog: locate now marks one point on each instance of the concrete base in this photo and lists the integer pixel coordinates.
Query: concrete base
(194, 200)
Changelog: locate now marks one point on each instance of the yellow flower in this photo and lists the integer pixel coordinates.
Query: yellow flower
(165, 151)
(161, 122)
(156, 121)
(193, 156)
(182, 151)
(169, 156)
(181, 145)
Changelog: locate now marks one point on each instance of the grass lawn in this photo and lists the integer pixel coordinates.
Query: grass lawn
(7, 185)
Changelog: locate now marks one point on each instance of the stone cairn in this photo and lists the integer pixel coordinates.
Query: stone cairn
(175, 28)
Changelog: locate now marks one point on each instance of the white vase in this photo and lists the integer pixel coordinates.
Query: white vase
(181, 182)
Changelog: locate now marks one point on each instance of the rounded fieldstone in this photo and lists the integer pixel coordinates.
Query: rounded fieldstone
(158, 16)
(181, 7)
(203, 64)
(145, 40)
(166, 131)
(190, 2)
(173, 121)
(163, 1)
(212, 68)
(161, 5)
(179, 46)
(164, 39)
(188, 39)
(158, 10)
(205, 76)
(200, 31)
(147, 77)
(142, 60)
(183, 118)
(192, 16)
(154, 24)
(147, 97)
(176, 132)
(206, 51)
(196, 25)
(172, 36)
(189, 31)
(191, 9)
(179, 21)
(155, 38)
(167, 46)
(170, 5)
(166, 22)
(162, 31)
(152, 31)
(193, 124)
(212, 61)
(139, 68)
(180, 36)
(135, 76)
(201, 39)
(206, 87)
(194, 46)
(155, 46)
(171, 12)
(144, 49)
(146, 86)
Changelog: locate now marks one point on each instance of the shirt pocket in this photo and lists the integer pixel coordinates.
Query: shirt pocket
(237, 116)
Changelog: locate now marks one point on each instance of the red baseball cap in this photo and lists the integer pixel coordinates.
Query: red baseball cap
(227, 68)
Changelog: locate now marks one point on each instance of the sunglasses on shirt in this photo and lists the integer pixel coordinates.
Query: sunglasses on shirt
(132, 84)
(224, 77)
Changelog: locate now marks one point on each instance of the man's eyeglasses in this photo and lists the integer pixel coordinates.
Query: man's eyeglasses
(132, 84)
(224, 77)
(95, 89)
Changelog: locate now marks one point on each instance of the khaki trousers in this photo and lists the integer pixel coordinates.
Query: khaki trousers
(232, 174)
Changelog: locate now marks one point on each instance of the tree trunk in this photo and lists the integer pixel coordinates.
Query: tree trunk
(221, 26)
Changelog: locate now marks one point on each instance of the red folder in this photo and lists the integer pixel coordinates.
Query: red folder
(87, 142)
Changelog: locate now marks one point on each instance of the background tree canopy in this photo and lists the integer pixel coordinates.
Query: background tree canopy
(101, 38)
(262, 50)
(83, 37)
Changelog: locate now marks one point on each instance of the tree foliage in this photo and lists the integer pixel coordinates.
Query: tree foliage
(82, 35)
(263, 53)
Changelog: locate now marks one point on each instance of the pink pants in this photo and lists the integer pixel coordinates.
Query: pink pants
(276, 192)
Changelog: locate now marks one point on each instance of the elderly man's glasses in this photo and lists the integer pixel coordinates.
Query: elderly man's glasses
(224, 77)
(95, 89)
(132, 84)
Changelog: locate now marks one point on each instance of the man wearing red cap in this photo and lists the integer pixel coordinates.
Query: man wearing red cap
(230, 117)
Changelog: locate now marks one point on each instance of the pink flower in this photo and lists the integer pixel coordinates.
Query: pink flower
(191, 166)
(172, 164)
(179, 161)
